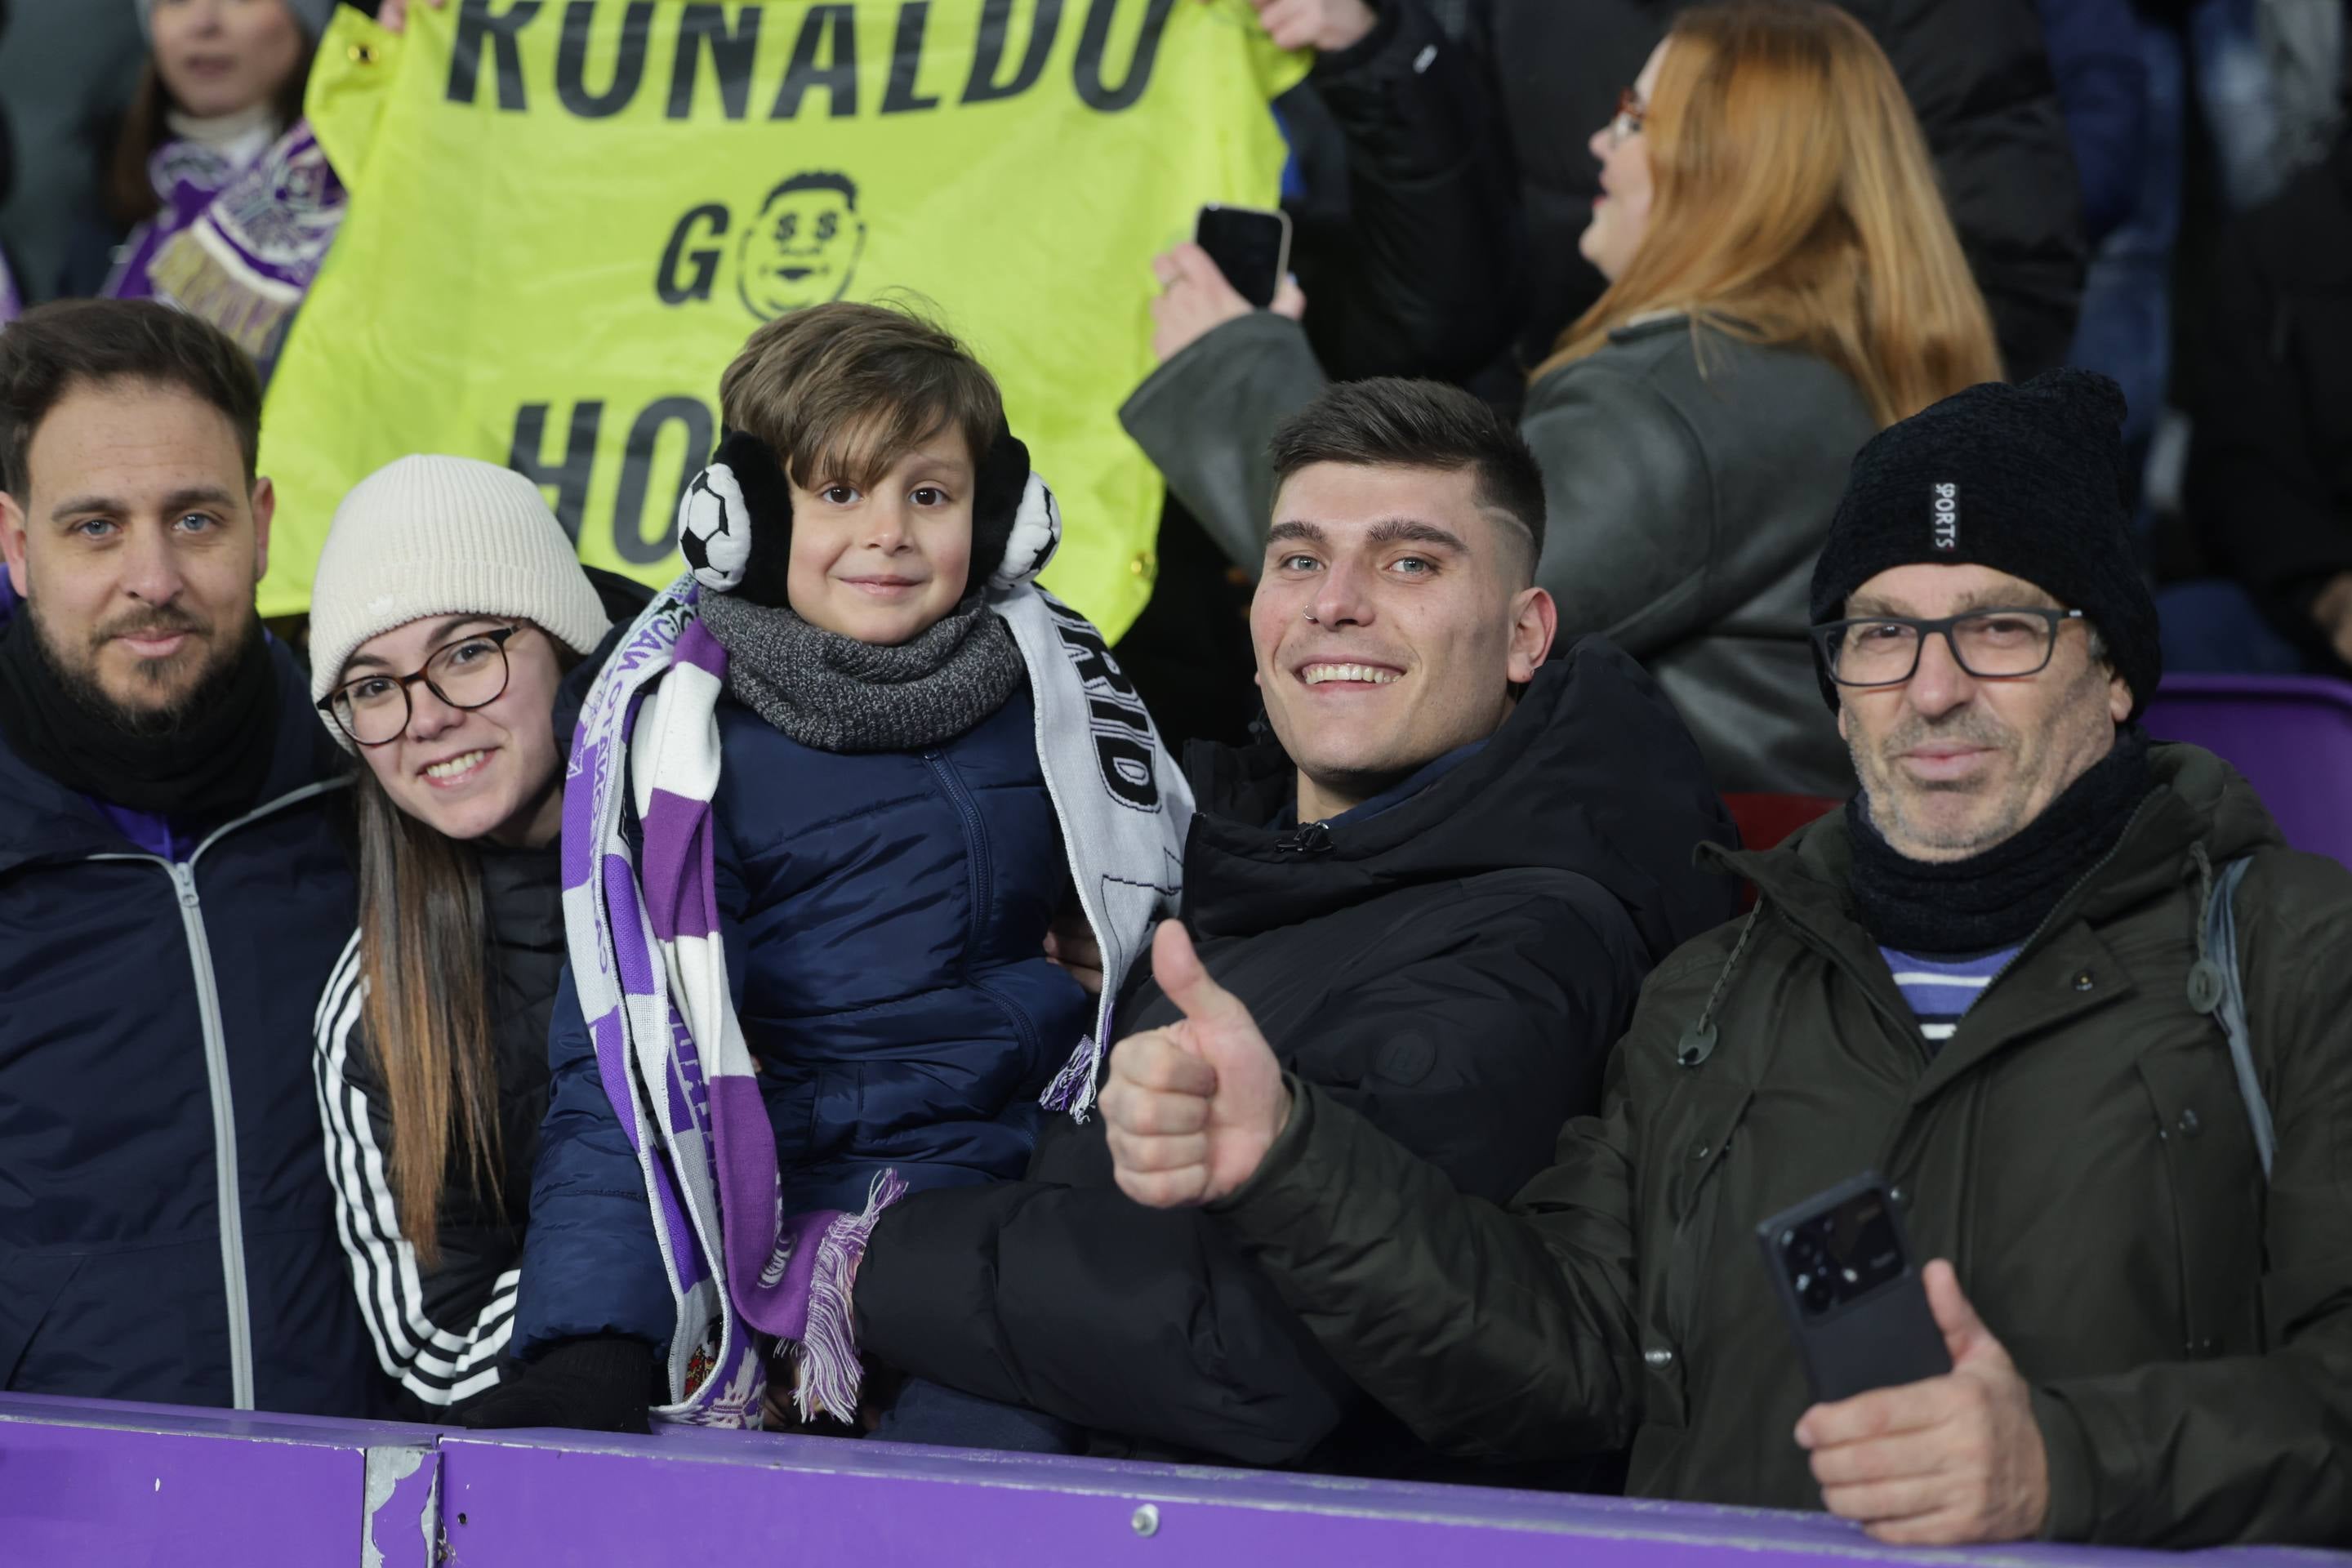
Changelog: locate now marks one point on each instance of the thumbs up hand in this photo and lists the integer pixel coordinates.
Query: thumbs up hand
(1952, 1461)
(1191, 1109)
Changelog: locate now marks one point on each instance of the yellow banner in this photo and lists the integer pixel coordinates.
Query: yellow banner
(565, 220)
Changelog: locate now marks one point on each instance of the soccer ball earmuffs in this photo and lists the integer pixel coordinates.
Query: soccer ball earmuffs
(735, 520)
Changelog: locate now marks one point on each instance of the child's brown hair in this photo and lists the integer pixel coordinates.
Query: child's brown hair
(840, 392)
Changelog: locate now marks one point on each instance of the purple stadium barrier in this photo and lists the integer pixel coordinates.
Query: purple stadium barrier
(83, 1482)
(2291, 735)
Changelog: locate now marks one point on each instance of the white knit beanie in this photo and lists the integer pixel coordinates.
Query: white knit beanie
(443, 536)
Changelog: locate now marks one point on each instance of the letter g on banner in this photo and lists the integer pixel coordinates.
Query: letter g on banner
(703, 228)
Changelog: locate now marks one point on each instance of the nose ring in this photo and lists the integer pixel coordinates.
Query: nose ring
(1311, 620)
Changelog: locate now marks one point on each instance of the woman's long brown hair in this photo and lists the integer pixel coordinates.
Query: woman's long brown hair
(1794, 203)
(130, 191)
(423, 935)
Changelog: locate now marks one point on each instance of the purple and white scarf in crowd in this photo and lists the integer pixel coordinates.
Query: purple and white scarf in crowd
(643, 928)
(236, 246)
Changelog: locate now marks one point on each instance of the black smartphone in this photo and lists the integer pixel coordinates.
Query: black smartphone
(1847, 1281)
(1251, 246)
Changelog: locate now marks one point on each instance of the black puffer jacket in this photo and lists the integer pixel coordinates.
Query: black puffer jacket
(2269, 466)
(1456, 968)
(1403, 238)
(1975, 70)
(441, 1331)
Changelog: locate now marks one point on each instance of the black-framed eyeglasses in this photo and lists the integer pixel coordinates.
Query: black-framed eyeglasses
(1991, 645)
(469, 672)
(1627, 121)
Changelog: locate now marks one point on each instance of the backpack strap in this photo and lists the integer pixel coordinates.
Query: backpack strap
(2217, 988)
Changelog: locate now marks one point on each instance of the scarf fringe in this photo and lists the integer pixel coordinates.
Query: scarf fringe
(1073, 1088)
(827, 1370)
(202, 277)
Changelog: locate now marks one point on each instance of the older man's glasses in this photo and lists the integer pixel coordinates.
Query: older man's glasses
(468, 673)
(1991, 645)
(1627, 121)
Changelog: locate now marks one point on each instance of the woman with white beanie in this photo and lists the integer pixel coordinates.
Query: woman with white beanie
(447, 608)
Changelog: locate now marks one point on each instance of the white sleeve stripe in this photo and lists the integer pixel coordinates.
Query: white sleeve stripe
(338, 980)
(392, 1291)
(384, 1264)
(399, 1289)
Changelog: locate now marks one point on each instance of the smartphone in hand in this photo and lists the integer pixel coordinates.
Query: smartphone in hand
(1251, 246)
(1843, 1270)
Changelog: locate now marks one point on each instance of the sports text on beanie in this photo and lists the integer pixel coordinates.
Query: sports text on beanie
(2027, 479)
(735, 520)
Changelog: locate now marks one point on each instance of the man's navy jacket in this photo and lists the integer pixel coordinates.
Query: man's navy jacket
(166, 1225)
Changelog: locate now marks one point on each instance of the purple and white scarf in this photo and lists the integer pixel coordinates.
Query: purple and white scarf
(647, 955)
(238, 247)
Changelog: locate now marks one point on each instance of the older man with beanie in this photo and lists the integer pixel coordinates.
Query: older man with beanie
(2015, 977)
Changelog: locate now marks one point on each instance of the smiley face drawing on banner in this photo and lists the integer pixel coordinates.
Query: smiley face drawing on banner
(802, 247)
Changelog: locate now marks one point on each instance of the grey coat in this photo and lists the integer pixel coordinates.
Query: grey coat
(1685, 507)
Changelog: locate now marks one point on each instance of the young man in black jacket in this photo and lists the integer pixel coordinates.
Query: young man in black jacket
(1440, 883)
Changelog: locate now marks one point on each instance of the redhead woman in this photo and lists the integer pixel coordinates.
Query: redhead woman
(1784, 282)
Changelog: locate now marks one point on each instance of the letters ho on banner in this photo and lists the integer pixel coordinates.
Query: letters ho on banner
(567, 216)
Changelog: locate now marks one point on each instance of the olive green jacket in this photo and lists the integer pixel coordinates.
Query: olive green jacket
(2078, 1149)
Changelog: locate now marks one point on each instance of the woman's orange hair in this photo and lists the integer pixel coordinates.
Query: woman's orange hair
(1794, 203)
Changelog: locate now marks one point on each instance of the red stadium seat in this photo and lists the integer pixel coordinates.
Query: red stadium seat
(1764, 820)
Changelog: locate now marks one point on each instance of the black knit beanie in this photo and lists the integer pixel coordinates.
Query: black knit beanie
(2026, 480)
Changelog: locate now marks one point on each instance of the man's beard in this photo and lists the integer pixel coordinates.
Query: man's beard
(1896, 790)
(1891, 793)
(213, 657)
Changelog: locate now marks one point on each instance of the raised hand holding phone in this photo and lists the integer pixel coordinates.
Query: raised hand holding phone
(1195, 299)
(1192, 1108)
(1250, 247)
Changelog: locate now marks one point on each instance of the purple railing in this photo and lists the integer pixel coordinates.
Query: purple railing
(84, 1482)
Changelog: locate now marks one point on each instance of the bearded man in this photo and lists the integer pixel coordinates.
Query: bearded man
(173, 891)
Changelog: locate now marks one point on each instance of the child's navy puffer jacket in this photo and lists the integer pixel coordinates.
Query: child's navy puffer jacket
(884, 917)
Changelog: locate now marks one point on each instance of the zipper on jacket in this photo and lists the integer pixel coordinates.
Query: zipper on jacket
(228, 1198)
(1307, 838)
(225, 1172)
(975, 845)
(984, 889)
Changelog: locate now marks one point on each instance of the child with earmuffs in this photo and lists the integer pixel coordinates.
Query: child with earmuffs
(826, 802)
